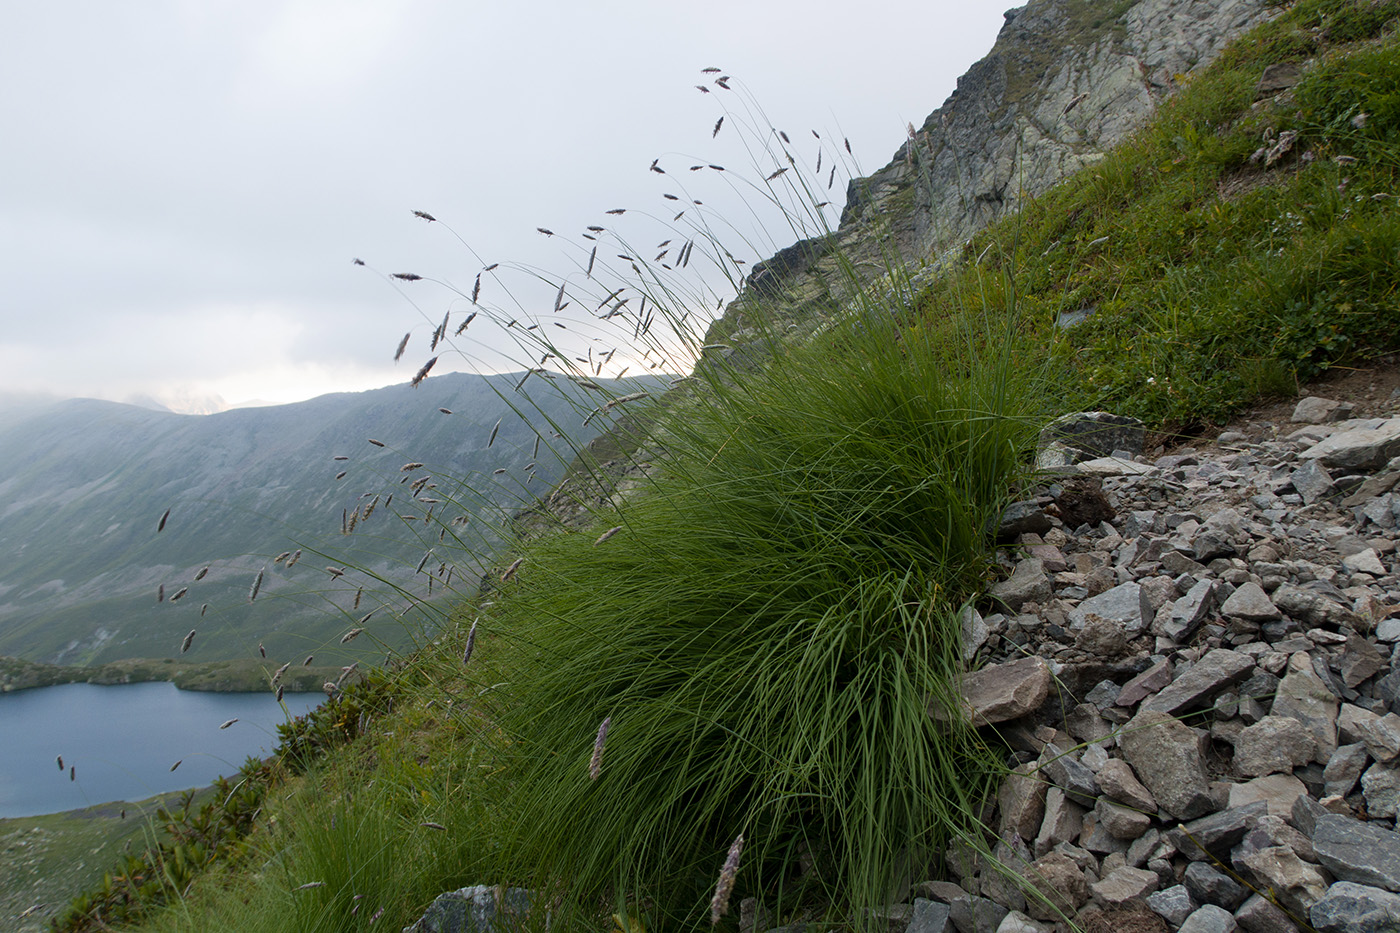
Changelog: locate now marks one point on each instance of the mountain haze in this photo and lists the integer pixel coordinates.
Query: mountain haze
(84, 483)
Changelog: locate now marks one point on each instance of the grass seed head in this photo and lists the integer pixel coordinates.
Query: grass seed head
(719, 904)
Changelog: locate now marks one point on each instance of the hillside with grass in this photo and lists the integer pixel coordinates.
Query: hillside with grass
(731, 671)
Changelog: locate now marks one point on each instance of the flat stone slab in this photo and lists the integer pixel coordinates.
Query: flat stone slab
(1002, 692)
(1359, 448)
(1219, 669)
(1126, 604)
(1166, 757)
(1356, 851)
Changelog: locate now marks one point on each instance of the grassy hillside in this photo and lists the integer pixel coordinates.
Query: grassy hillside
(747, 649)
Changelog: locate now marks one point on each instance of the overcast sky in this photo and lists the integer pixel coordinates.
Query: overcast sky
(184, 183)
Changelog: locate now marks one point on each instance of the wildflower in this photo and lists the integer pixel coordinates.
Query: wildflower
(595, 764)
(719, 904)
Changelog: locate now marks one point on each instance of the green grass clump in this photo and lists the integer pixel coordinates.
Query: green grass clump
(767, 633)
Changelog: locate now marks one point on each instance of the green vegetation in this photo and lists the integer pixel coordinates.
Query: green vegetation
(1216, 275)
(767, 624)
(242, 676)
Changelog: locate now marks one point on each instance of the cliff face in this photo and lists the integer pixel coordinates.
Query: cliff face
(1065, 81)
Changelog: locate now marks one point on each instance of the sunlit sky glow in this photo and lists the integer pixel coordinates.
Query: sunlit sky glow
(183, 183)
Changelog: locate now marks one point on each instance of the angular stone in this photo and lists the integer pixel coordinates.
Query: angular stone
(1278, 791)
(1001, 692)
(1365, 562)
(1344, 769)
(1348, 907)
(1312, 481)
(1188, 612)
(1022, 801)
(1117, 782)
(1067, 772)
(1302, 695)
(1125, 885)
(1096, 433)
(973, 914)
(1360, 661)
(1381, 786)
(479, 908)
(1313, 608)
(1063, 820)
(1208, 885)
(1115, 466)
(1145, 684)
(1173, 904)
(1297, 884)
(1121, 822)
(1200, 682)
(1125, 604)
(1357, 851)
(1017, 922)
(1215, 835)
(1209, 919)
(1259, 915)
(930, 917)
(1166, 756)
(1274, 744)
(1250, 603)
(1101, 638)
(1059, 881)
(1313, 409)
(1366, 449)
(1381, 735)
(1027, 583)
(1020, 518)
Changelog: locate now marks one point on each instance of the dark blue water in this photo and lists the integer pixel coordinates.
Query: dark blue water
(121, 741)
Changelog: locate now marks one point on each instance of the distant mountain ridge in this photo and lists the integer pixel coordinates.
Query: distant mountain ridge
(84, 483)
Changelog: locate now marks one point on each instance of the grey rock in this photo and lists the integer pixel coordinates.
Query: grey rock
(1200, 682)
(1125, 604)
(1259, 915)
(1381, 786)
(1211, 886)
(1027, 583)
(1348, 907)
(1274, 744)
(1117, 781)
(1306, 813)
(1251, 603)
(1166, 756)
(1172, 904)
(1060, 883)
(1209, 919)
(1313, 608)
(1312, 481)
(1022, 801)
(1096, 433)
(1020, 518)
(1361, 448)
(1101, 638)
(975, 632)
(1155, 678)
(1017, 922)
(476, 909)
(1121, 822)
(1313, 409)
(1344, 769)
(1277, 791)
(1124, 886)
(1366, 561)
(1381, 735)
(1188, 612)
(1068, 773)
(1215, 835)
(930, 917)
(1297, 884)
(1062, 822)
(1001, 692)
(973, 914)
(1302, 695)
(1356, 851)
(1360, 661)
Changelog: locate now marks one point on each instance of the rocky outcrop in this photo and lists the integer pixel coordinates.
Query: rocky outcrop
(1065, 81)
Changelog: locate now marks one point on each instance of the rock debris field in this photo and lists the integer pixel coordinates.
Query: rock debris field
(1193, 663)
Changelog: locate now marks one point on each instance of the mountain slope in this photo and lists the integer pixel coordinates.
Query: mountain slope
(84, 483)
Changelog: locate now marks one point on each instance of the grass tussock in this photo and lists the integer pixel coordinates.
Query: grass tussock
(766, 634)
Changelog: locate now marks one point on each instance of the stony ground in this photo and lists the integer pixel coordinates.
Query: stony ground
(1191, 657)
